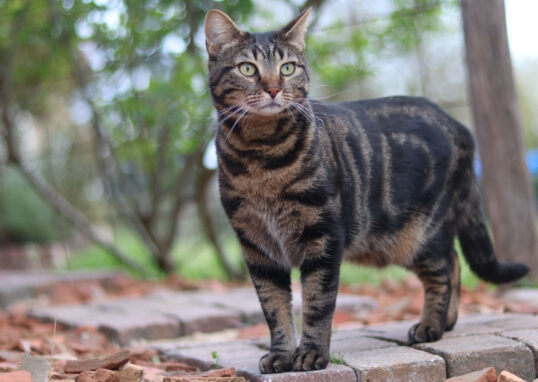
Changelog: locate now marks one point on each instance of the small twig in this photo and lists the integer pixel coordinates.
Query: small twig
(53, 338)
(180, 198)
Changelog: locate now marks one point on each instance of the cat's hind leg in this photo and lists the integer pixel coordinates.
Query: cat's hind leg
(434, 265)
(452, 315)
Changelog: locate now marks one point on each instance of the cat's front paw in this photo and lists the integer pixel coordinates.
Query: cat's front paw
(422, 332)
(276, 362)
(309, 359)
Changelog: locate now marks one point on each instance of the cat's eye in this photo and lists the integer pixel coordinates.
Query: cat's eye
(247, 69)
(287, 69)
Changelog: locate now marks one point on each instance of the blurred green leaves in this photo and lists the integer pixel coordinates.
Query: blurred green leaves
(127, 79)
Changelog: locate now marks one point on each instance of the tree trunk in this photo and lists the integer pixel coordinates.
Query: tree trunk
(507, 187)
(207, 223)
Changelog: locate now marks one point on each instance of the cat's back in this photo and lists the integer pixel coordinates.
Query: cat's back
(403, 156)
(384, 113)
(397, 121)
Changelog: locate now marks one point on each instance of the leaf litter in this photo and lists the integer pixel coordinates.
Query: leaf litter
(86, 355)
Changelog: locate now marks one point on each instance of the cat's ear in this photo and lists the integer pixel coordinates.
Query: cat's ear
(294, 32)
(220, 31)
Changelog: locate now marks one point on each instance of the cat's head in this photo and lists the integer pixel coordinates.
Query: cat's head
(259, 73)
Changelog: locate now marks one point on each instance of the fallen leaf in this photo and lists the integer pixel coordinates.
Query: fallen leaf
(99, 375)
(110, 362)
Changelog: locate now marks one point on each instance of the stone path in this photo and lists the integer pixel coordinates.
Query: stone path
(374, 353)
(379, 353)
(168, 314)
(17, 285)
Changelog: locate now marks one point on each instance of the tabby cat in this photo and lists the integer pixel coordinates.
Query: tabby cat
(309, 184)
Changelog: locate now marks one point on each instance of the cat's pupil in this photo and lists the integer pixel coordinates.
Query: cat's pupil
(287, 69)
(247, 69)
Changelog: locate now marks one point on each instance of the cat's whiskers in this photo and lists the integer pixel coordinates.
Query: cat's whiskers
(304, 111)
(317, 86)
(307, 113)
(226, 110)
(237, 111)
(290, 114)
(331, 95)
(245, 111)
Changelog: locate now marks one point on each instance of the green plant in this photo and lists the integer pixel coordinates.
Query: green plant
(24, 216)
(337, 358)
(215, 357)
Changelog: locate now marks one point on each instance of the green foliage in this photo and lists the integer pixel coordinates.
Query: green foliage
(407, 23)
(195, 260)
(337, 359)
(342, 55)
(467, 277)
(216, 359)
(24, 216)
(357, 274)
(94, 257)
(140, 67)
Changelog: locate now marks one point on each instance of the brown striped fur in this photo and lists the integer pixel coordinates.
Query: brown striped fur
(308, 184)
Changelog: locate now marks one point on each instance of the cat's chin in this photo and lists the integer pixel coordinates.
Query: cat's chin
(270, 110)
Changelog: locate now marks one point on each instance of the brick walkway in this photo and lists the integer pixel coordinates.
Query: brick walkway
(375, 353)
(18, 285)
(168, 314)
(378, 353)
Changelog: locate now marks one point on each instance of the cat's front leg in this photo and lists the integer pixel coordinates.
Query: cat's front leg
(319, 279)
(273, 286)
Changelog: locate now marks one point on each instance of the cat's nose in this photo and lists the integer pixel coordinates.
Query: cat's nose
(273, 91)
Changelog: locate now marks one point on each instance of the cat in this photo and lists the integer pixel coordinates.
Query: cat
(308, 184)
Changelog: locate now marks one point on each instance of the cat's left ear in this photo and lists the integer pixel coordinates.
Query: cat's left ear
(294, 32)
(220, 31)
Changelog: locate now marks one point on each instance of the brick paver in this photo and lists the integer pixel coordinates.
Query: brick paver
(17, 285)
(466, 354)
(529, 337)
(394, 331)
(396, 364)
(245, 300)
(167, 314)
(244, 357)
(186, 309)
(374, 353)
(526, 295)
(118, 324)
(239, 354)
(333, 373)
(492, 324)
(354, 340)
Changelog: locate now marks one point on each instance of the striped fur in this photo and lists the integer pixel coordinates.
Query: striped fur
(309, 184)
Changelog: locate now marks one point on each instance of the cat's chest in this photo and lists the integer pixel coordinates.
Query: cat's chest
(278, 224)
(262, 186)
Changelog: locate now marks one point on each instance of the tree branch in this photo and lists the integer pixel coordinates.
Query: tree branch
(55, 199)
(47, 192)
(107, 160)
(180, 198)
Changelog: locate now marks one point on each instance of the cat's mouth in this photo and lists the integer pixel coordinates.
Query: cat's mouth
(270, 108)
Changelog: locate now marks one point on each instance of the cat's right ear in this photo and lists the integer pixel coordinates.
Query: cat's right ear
(220, 31)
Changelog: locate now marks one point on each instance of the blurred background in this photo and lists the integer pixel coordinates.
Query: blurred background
(107, 157)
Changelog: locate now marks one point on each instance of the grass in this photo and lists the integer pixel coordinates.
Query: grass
(468, 278)
(195, 259)
(337, 359)
(94, 257)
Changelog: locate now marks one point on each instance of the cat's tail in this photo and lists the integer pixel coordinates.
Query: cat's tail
(478, 249)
